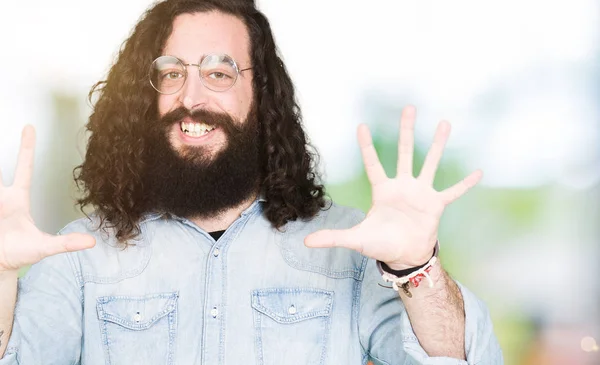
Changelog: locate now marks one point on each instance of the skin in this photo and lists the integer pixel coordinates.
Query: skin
(400, 228)
(21, 242)
(197, 35)
(194, 36)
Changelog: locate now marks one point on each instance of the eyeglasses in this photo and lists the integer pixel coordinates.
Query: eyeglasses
(217, 72)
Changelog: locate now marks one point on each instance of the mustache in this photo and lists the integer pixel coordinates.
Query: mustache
(217, 119)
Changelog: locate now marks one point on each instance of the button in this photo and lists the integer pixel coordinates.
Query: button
(214, 312)
(216, 252)
(292, 309)
(137, 317)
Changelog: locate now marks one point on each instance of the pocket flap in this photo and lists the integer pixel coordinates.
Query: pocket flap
(136, 313)
(289, 305)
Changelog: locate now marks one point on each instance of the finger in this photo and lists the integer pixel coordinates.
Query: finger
(334, 238)
(432, 160)
(25, 160)
(406, 145)
(375, 171)
(459, 189)
(68, 243)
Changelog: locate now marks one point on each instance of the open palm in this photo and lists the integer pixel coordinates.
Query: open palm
(21, 242)
(401, 227)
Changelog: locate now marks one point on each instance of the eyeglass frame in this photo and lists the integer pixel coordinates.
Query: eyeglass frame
(185, 65)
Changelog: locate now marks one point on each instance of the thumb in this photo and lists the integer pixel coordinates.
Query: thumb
(347, 238)
(69, 243)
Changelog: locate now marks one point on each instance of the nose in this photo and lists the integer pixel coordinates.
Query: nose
(194, 94)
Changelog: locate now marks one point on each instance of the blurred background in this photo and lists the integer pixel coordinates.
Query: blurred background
(518, 80)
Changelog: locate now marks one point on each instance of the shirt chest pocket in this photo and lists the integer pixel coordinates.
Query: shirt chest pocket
(292, 325)
(138, 330)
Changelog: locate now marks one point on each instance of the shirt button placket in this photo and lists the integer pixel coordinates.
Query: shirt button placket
(213, 323)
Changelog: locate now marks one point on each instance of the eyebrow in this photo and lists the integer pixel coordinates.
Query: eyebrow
(199, 60)
(185, 61)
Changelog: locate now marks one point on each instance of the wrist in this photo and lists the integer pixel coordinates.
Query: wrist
(442, 286)
(403, 269)
(437, 275)
(404, 279)
(393, 267)
(415, 260)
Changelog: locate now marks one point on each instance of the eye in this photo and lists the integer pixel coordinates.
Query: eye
(172, 75)
(218, 75)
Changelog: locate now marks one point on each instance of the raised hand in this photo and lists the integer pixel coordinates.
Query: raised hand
(401, 227)
(21, 242)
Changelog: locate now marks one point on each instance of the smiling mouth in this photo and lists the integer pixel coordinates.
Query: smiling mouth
(194, 129)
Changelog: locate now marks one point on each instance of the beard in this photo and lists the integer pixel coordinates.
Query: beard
(195, 181)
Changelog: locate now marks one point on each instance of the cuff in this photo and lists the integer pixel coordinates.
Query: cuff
(10, 358)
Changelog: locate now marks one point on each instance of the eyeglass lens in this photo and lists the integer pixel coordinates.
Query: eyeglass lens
(217, 72)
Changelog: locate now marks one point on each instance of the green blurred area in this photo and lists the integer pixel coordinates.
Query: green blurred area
(508, 212)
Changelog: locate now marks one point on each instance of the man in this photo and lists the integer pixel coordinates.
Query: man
(211, 241)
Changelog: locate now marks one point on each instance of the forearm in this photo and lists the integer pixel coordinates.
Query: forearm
(437, 315)
(8, 298)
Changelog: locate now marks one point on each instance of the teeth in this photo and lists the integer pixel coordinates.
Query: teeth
(195, 129)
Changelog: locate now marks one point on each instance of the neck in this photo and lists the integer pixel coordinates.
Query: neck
(225, 219)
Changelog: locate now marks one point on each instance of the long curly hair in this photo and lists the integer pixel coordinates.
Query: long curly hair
(110, 176)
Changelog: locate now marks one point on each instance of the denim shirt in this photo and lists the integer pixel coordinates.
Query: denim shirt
(257, 295)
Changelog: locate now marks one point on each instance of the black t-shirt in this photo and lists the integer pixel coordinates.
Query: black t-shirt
(216, 234)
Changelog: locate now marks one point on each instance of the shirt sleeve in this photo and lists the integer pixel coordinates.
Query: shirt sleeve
(47, 322)
(387, 336)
